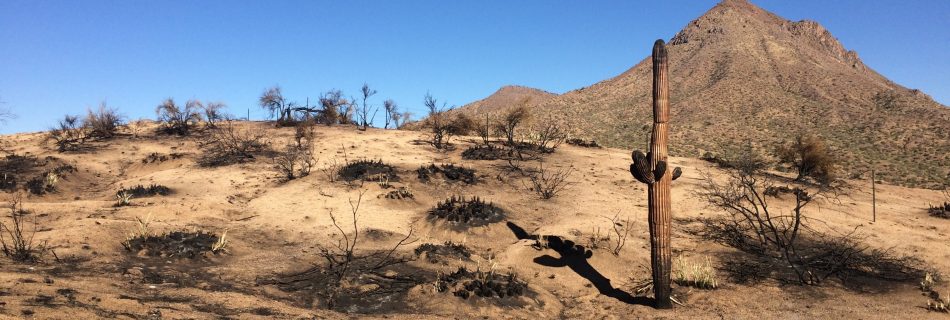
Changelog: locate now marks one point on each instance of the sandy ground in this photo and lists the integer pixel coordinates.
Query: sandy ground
(275, 227)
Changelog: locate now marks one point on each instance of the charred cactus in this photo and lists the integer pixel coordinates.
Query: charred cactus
(651, 168)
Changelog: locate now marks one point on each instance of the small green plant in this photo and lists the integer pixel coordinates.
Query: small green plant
(698, 275)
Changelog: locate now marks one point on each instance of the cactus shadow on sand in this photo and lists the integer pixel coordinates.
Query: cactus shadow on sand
(575, 257)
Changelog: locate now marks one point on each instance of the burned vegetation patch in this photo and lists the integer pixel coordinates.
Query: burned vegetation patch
(437, 253)
(464, 283)
(141, 191)
(940, 211)
(401, 193)
(485, 152)
(368, 170)
(155, 157)
(583, 143)
(449, 172)
(468, 212)
(47, 181)
(176, 244)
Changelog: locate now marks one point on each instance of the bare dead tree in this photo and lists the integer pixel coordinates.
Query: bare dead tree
(214, 112)
(273, 101)
(510, 121)
(363, 117)
(392, 114)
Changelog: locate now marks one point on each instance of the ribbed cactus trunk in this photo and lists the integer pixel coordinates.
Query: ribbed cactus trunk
(652, 170)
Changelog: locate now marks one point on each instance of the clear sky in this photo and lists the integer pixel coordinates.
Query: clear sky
(59, 57)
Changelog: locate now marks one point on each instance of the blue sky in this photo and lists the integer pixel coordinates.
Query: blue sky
(59, 57)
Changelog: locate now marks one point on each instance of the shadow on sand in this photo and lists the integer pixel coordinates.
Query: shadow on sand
(575, 257)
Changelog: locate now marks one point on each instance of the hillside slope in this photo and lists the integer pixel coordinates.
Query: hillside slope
(739, 73)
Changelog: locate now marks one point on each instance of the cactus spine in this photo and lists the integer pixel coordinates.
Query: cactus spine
(651, 169)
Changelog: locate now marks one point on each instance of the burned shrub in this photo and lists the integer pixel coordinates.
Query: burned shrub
(179, 120)
(103, 123)
(141, 191)
(450, 172)
(583, 143)
(227, 145)
(940, 211)
(399, 194)
(485, 284)
(368, 170)
(809, 156)
(777, 191)
(15, 240)
(549, 183)
(296, 160)
(46, 182)
(485, 152)
(155, 157)
(70, 134)
(12, 166)
(436, 253)
(176, 244)
(471, 212)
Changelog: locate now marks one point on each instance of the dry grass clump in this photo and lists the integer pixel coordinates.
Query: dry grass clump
(464, 283)
(695, 274)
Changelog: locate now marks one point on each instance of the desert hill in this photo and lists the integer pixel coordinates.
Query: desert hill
(276, 227)
(508, 96)
(739, 73)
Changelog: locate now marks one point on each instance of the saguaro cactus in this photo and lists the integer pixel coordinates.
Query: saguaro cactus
(651, 169)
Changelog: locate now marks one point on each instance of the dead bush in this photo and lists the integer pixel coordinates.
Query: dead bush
(485, 152)
(176, 119)
(349, 276)
(547, 136)
(784, 234)
(70, 134)
(228, 145)
(547, 183)
(442, 126)
(810, 157)
(16, 240)
(47, 181)
(103, 123)
(940, 211)
(141, 191)
(297, 158)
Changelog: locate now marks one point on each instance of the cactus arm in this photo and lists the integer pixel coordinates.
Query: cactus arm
(677, 172)
(640, 168)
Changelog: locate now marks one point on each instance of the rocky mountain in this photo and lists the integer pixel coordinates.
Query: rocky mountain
(741, 74)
